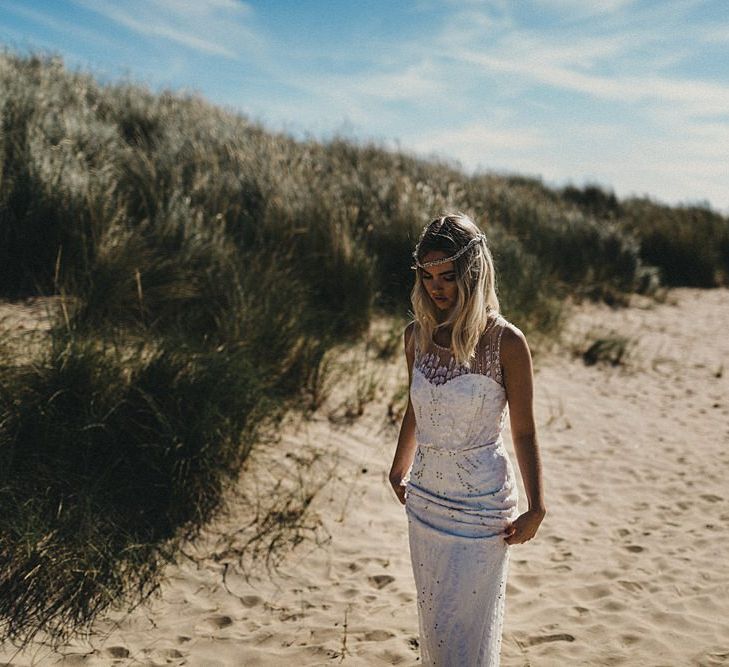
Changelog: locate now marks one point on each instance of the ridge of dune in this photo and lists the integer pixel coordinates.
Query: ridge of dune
(628, 568)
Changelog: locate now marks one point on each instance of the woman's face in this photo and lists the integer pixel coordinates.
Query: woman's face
(439, 280)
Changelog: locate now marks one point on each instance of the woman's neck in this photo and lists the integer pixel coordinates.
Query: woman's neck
(443, 335)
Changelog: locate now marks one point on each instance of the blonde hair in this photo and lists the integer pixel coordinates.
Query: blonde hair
(475, 280)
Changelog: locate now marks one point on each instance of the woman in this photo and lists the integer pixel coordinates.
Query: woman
(466, 365)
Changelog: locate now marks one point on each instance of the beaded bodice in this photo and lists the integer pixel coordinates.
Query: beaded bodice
(438, 364)
(457, 407)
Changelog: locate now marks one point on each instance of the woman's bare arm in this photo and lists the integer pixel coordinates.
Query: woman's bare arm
(406, 445)
(516, 361)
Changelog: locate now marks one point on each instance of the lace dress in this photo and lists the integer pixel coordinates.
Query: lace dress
(460, 495)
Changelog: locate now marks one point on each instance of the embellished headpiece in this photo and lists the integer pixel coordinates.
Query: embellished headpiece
(476, 239)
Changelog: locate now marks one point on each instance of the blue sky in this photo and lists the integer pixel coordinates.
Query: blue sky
(630, 94)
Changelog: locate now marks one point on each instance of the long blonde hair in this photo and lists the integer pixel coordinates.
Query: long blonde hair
(475, 280)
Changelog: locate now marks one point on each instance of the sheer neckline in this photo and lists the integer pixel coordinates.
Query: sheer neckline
(489, 326)
(438, 363)
(441, 347)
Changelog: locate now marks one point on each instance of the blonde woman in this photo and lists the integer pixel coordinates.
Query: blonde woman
(468, 367)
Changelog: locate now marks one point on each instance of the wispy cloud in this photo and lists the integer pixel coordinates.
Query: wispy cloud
(697, 97)
(478, 140)
(56, 24)
(621, 63)
(666, 136)
(715, 33)
(210, 27)
(585, 8)
(415, 81)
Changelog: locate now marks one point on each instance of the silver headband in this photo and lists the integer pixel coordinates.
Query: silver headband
(480, 237)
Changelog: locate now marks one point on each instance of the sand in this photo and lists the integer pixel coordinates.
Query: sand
(629, 566)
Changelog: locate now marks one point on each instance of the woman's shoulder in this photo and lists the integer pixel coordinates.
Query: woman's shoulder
(496, 323)
(508, 333)
(408, 332)
(513, 345)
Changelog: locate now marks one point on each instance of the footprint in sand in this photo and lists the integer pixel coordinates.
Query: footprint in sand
(629, 640)
(181, 639)
(250, 600)
(632, 586)
(392, 658)
(613, 605)
(711, 497)
(720, 655)
(381, 580)
(378, 635)
(561, 637)
(171, 653)
(634, 548)
(219, 621)
(117, 652)
(367, 560)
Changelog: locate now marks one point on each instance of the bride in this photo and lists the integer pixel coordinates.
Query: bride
(468, 366)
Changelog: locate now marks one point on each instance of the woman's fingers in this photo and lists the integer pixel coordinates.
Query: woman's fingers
(399, 492)
(523, 528)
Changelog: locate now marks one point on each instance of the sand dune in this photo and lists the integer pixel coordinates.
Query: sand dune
(629, 566)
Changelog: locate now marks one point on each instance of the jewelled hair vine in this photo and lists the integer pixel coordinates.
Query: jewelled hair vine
(476, 239)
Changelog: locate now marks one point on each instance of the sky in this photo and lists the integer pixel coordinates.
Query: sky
(631, 95)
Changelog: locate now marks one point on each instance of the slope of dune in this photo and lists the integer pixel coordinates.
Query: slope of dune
(628, 568)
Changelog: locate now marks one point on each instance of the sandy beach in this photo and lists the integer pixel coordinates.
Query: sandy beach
(628, 568)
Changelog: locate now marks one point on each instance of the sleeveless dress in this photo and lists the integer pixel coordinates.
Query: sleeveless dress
(460, 495)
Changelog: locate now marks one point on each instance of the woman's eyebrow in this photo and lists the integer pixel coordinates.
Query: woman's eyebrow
(445, 273)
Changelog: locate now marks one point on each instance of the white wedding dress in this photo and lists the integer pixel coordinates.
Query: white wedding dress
(460, 495)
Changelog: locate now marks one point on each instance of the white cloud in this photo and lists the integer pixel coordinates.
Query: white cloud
(59, 25)
(479, 144)
(542, 65)
(211, 27)
(585, 8)
(714, 33)
(667, 137)
(412, 82)
(204, 7)
(484, 138)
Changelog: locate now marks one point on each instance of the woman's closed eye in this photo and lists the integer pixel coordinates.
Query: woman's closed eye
(448, 279)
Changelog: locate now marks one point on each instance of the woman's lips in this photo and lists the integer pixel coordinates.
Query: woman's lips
(440, 298)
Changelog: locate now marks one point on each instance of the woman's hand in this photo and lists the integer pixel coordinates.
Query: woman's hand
(398, 487)
(524, 527)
